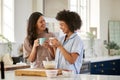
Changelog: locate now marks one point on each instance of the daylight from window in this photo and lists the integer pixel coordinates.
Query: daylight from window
(7, 19)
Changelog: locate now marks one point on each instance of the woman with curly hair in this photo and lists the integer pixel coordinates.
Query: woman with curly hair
(69, 48)
(33, 51)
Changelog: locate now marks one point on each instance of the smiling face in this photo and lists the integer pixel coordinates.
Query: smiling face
(64, 27)
(41, 25)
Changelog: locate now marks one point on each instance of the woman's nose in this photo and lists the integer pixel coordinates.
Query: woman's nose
(43, 22)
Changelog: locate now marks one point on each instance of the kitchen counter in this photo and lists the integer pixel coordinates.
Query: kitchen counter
(105, 65)
(102, 58)
(9, 75)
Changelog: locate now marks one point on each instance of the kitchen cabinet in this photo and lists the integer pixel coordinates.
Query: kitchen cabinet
(108, 67)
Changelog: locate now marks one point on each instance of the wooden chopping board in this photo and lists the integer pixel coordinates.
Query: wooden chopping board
(33, 72)
(14, 67)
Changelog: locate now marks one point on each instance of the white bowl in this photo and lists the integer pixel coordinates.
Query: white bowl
(67, 73)
(49, 64)
(51, 73)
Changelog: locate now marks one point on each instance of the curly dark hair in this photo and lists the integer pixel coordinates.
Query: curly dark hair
(72, 19)
(31, 29)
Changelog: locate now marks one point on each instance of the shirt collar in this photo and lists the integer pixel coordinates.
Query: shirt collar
(73, 35)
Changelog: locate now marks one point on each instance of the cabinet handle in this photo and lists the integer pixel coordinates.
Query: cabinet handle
(102, 71)
(102, 64)
(113, 63)
(113, 69)
(95, 65)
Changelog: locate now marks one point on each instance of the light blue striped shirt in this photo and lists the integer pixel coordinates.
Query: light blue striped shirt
(73, 44)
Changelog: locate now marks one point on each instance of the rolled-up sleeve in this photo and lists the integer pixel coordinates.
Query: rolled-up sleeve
(77, 47)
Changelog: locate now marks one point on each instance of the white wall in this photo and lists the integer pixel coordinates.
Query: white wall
(37, 5)
(54, 6)
(109, 10)
(23, 9)
(115, 9)
(105, 15)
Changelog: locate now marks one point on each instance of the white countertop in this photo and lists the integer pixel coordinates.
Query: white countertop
(9, 75)
(98, 59)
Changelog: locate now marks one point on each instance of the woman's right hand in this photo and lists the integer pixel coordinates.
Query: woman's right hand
(33, 53)
(36, 43)
(55, 43)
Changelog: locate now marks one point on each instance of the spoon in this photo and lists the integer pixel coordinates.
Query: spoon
(47, 59)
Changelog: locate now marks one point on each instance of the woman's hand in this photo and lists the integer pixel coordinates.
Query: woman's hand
(46, 44)
(55, 42)
(33, 53)
(36, 43)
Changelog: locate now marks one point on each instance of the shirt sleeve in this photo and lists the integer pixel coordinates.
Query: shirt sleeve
(77, 46)
(26, 48)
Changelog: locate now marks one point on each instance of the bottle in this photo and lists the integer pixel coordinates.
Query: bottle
(2, 70)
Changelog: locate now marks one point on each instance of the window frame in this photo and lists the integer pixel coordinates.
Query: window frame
(87, 25)
(3, 20)
(0, 16)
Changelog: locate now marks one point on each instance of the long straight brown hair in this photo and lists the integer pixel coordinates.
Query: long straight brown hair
(31, 28)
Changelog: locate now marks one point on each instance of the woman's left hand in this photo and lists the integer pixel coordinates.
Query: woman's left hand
(46, 44)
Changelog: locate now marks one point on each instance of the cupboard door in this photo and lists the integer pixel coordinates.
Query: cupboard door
(106, 67)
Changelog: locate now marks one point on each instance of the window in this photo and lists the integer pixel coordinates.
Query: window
(81, 7)
(7, 19)
(0, 15)
(89, 13)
